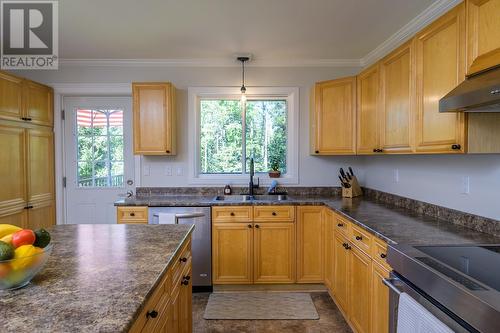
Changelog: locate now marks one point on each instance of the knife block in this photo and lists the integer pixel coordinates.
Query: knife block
(354, 190)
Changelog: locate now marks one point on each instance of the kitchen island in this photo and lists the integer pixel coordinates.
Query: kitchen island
(100, 278)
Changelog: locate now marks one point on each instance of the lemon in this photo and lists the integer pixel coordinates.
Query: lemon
(23, 257)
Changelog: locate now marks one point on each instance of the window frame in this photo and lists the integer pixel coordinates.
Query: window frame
(195, 94)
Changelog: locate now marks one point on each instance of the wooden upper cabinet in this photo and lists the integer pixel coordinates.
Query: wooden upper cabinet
(38, 101)
(334, 117)
(396, 98)
(368, 124)
(440, 67)
(310, 244)
(12, 167)
(40, 164)
(483, 35)
(154, 118)
(11, 91)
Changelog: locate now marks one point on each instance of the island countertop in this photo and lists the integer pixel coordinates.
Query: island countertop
(97, 279)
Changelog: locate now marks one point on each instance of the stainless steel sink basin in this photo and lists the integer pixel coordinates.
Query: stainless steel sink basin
(243, 198)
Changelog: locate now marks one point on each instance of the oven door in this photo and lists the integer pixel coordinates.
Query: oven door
(398, 285)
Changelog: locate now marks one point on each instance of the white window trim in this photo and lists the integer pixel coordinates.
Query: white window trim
(291, 94)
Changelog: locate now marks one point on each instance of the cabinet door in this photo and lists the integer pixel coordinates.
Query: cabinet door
(42, 215)
(440, 59)
(340, 264)
(185, 306)
(368, 125)
(334, 120)
(274, 253)
(396, 98)
(154, 118)
(329, 248)
(12, 168)
(359, 272)
(40, 164)
(483, 35)
(309, 244)
(39, 103)
(232, 248)
(17, 217)
(11, 91)
(174, 322)
(380, 300)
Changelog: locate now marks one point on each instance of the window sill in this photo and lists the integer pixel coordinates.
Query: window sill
(221, 180)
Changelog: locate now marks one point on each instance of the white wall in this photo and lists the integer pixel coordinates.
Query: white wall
(439, 180)
(319, 171)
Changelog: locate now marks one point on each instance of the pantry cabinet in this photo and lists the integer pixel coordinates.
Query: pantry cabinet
(154, 118)
(440, 67)
(397, 81)
(310, 244)
(11, 92)
(38, 105)
(368, 111)
(483, 35)
(333, 117)
(40, 164)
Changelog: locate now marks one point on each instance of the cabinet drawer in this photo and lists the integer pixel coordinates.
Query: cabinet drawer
(360, 238)
(274, 213)
(180, 262)
(379, 252)
(341, 225)
(132, 214)
(232, 214)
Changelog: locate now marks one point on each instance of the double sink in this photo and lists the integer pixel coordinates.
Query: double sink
(245, 198)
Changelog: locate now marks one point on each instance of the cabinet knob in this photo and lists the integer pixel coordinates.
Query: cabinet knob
(380, 150)
(232, 214)
(317, 151)
(152, 314)
(184, 282)
(257, 226)
(187, 278)
(167, 151)
(26, 119)
(183, 259)
(250, 226)
(383, 255)
(348, 247)
(455, 147)
(359, 238)
(132, 214)
(375, 150)
(340, 224)
(274, 213)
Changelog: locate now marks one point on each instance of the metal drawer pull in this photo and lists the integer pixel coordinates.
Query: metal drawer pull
(340, 225)
(152, 314)
(132, 214)
(389, 283)
(184, 216)
(359, 238)
(383, 255)
(274, 213)
(183, 259)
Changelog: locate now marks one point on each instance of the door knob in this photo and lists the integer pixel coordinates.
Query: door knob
(130, 182)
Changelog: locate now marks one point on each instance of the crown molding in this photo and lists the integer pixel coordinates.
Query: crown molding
(431, 13)
(208, 62)
(411, 28)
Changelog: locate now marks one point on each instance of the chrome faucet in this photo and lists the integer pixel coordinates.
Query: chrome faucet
(251, 186)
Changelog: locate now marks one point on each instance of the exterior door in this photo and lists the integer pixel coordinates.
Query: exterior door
(99, 163)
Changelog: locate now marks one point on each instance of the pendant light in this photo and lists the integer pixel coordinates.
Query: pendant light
(243, 89)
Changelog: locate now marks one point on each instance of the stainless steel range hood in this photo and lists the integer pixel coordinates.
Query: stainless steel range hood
(478, 93)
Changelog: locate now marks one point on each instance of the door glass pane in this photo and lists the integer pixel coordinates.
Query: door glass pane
(100, 148)
(220, 136)
(266, 134)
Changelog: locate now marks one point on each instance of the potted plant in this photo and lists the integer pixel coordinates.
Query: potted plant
(275, 169)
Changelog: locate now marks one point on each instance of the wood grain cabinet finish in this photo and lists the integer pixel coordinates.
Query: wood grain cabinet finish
(360, 272)
(310, 244)
(38, 101)
(379, 300)
(232, 253)
(11, 93)
(132, 215)
(368, 111)
(274, 214)
(397, 78)
(232, 214)
(154, 121)
(274, 253)
(333, 117)
(329, 222)
(483, 35)
(440, 67)
(40, 164)
(341, 272)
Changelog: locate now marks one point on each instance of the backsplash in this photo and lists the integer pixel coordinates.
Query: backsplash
(295, 190)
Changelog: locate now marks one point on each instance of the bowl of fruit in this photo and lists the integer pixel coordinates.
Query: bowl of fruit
(23, 253)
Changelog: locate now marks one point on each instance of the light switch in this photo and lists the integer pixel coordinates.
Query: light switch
(168, 171)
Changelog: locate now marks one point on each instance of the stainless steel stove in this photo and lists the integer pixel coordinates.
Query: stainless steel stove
(459, 284)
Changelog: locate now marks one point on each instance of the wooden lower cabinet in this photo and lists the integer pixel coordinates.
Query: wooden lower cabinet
(359, 289)
(232, 247)
(132, 214)
(42, 215)
(18, 217)
(274, 253)
(310, 244)
(379, 299)
(185, 305)
(329, 220)
(340, 267)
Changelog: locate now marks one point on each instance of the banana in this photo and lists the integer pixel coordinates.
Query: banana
(7, 239)
(7, 229)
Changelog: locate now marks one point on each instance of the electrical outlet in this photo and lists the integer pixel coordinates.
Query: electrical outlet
(396, 175)
(465, 185)
(168, 171)
(179, 171)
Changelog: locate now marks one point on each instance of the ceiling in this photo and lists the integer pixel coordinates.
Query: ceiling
(215, 29)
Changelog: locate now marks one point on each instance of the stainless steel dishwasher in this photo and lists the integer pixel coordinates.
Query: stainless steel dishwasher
(200, 243)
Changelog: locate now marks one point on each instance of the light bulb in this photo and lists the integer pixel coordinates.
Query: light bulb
(243, 98)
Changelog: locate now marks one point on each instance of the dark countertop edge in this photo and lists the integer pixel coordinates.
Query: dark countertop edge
(131, 322)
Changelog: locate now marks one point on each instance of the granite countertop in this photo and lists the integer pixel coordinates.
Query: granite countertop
(97, 279)
(390, 223)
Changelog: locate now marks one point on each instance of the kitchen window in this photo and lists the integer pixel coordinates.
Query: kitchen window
(229, 131)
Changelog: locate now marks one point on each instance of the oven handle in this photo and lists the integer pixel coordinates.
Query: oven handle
(184, 216)
(390, 283)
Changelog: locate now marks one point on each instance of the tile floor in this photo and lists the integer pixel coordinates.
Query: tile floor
(331, 320)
